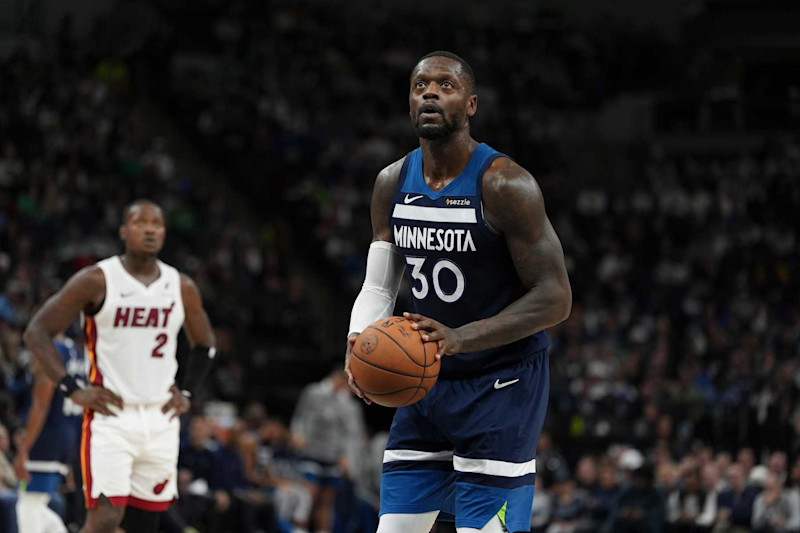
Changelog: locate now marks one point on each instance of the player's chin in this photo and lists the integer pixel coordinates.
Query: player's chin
(432, 131)
(151, 247)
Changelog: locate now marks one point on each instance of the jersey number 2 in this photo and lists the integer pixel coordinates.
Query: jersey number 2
(162, 340)
(442, 264)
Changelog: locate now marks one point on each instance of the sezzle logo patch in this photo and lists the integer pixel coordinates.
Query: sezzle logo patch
(458, 201)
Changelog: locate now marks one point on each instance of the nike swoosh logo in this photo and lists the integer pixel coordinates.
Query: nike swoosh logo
(126, 294)
(498, 385)
(408, 199)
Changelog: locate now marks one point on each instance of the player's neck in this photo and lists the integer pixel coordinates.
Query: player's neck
(138, 264)
(444, 159)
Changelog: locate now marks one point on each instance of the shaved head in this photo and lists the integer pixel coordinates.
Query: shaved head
(466, 71)
(136, 204)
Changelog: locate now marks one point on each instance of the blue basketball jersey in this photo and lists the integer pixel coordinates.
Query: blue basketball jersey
(58, 442)
(460, 270)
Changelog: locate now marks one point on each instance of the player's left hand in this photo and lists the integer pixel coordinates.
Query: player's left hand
(179, 403)
(448, 339)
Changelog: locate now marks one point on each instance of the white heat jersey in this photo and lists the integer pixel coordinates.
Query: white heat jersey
(131, 342)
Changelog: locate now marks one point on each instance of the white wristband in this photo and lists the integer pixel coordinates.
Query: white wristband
(385, 267)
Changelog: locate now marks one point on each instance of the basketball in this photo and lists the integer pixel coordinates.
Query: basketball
(391, 364)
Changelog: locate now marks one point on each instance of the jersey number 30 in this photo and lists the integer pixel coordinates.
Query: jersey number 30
(421, 291)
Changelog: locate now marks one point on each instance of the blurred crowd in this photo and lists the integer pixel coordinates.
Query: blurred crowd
(623, 490)
(675, 398)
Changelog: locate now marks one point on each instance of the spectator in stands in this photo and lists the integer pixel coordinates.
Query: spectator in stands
(586, 474)
(793, 483)
(735, 504)
(685, 504)
(569, 511)
(602, 501)
(542, 507)
(268, 464)
(554, 465)
(329, 421)
(640, 506)
(199, 503)
(710, 486)
(251, 509)
(773, 510)
(777, 465)
(747, 459)
(8, 481)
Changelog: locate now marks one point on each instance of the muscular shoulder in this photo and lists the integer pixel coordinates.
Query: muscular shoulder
(382, 194)
(387, 178)
(89, 280)
(189, 290)
(508, 191)
(85, 290)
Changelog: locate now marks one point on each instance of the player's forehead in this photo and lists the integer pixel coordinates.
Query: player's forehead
(437, 66)
(145, 211)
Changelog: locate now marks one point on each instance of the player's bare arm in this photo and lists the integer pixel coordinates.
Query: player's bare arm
(202, 340)
(85, 291)
(41, 396)
(514, 207)
(381, 203)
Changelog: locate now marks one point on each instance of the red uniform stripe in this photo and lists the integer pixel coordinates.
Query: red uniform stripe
(146, 505)
(90, 337)
(86, 465)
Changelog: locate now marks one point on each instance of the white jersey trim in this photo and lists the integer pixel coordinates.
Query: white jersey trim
(491, 467)
(415, 455)
(453, 215)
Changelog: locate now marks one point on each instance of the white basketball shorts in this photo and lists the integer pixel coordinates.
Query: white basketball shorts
(131, 458)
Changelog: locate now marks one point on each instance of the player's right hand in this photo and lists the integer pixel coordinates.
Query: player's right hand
(97, 399)
(351, 340)
(19, 465)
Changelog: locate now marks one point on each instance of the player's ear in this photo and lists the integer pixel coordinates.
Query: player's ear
(472, 105)
(123, 232)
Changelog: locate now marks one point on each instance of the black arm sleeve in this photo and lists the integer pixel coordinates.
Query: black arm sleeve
(197, 366)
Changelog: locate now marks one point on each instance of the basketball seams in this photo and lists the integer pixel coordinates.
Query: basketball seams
(403, 349)
(424, 369)
(393, 371)
(413, 386)
(390, 392)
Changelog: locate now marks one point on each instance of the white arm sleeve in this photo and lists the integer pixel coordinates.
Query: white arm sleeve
(385, 268)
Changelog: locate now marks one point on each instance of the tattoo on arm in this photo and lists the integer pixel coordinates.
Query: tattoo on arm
(381, 203)
(514, 206)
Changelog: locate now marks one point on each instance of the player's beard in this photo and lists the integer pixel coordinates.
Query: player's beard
(435, 132)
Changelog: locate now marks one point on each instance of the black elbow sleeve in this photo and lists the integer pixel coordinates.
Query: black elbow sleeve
(197, 366)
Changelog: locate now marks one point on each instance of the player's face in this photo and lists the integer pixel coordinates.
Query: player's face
(440, 100)
(143, 231)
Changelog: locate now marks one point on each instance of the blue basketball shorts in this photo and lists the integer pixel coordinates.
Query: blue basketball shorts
(468, 448)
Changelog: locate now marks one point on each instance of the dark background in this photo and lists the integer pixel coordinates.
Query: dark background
(663, 135)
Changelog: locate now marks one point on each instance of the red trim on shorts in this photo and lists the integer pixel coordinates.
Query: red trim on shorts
(146, 505)
(86, 464)
(90, 336)
(115, 501)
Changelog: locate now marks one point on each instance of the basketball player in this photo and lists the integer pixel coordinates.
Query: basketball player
(50, 443)
(133, 308)
(488, 277)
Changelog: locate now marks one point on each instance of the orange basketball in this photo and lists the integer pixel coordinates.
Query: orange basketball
(391, 364)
